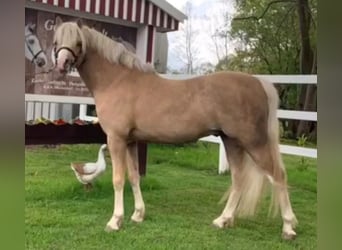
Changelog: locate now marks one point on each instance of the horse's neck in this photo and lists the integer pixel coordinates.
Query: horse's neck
(97, 73)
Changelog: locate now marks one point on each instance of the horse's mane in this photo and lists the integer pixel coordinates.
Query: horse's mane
(115, 52)
(127, 45)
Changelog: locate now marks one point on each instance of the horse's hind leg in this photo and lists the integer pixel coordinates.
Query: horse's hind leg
(134, 178)
(268, 158)
(236, 163)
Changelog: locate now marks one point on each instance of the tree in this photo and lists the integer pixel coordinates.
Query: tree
(185, 42)
(205, 68)
(220, 32)
(308, 63)
(190, 36)
(279, 37)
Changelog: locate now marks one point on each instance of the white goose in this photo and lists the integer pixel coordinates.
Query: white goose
(87, 172)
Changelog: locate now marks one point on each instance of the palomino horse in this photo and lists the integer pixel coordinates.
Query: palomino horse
(134, 104)
(33, 50)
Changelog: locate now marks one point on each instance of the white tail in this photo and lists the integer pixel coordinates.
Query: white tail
(254, 181)
(273, 133)
(252, 187)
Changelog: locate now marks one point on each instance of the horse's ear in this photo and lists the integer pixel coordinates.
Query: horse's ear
(59, 21)
(79, 22)
(32, 26)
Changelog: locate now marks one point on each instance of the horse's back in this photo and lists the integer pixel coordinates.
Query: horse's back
(224, 101)
(232, 90)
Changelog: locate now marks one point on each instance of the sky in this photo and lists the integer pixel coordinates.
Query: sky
(207, 15)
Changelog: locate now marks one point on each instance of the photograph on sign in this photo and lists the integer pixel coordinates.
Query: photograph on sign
(39, 56)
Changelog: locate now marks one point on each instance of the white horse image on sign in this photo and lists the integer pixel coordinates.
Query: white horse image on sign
(33, 49)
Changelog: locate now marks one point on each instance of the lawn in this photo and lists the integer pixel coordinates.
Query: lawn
(181, 191)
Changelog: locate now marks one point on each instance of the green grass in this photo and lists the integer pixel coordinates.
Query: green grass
(181, 191)
(292, 142)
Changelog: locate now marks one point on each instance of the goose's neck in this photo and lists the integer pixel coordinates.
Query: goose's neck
(100, 158)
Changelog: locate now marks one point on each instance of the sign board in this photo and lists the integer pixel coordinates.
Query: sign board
(39, 31)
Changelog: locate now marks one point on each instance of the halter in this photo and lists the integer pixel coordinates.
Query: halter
(31, 51)
(74, 64)
(56, 57)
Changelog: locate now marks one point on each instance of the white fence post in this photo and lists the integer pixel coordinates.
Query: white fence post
(223, 161)
(83, 111)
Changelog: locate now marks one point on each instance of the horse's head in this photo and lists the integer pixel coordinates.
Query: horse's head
(69, 45)
(33, 50)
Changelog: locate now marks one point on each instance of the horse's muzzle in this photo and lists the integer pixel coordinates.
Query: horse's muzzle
(40, 61)
(64, 65)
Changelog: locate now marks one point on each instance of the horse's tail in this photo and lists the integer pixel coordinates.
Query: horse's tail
(273, 137)
(252, 187)
(253, 180)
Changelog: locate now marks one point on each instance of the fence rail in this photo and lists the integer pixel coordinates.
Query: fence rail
(41, 104)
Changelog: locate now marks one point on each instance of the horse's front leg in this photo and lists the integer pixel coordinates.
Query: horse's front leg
(117, 148)
(134, 178)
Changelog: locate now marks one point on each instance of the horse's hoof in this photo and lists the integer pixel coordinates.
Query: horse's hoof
(218, 223)
(114, 224)
(109, 229)
(291, 235)
(137, 219)
(138, 216)
(222, 223)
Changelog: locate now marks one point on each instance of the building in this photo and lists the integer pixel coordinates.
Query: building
(141, 23)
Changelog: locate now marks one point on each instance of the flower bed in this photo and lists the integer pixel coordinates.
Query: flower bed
(63, 134)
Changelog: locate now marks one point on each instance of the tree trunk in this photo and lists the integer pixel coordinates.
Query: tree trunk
(307, 66)
(306, 59)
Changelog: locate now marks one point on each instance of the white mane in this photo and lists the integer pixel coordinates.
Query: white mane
(113, 51)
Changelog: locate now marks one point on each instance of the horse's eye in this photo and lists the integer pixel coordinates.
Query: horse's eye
(31, 41)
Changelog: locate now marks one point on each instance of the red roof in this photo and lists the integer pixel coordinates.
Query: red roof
(135, 11)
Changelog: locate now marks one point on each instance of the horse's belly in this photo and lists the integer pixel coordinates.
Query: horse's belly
(169, 135)
(174, 124)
